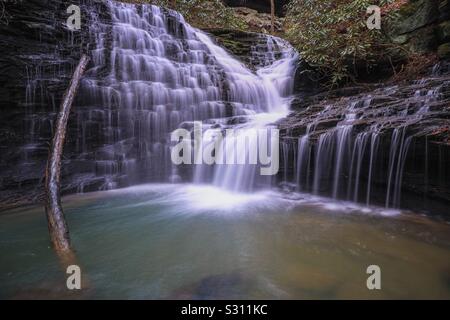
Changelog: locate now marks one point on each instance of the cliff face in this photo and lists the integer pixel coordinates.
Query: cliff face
(422, 26)
(38, 56)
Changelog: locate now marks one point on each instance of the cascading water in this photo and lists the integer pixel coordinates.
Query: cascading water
(150, 74)
(155, 73)
(272, 85)
(351, 146)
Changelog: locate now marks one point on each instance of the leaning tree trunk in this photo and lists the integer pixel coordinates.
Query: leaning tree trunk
(272, 16)
(57, 226)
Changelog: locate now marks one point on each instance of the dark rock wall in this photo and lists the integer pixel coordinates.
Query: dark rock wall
(39, 54)
(422, 26)
(260, 5)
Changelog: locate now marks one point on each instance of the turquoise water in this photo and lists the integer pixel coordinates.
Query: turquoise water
(186, 241)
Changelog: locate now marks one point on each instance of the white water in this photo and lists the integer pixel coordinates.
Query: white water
(341, 154)
(269, 88)
(159, 74)
(154, 73)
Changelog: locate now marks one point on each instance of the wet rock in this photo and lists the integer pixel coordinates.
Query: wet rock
(252, 48)
(38, 56)
(419, 109)
(221, 286)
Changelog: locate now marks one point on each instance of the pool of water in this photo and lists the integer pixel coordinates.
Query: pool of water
(199, 242)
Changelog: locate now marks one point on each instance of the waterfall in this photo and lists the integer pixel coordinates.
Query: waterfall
(357, 148)
(397, 156)
(270, 89)
(155, 73)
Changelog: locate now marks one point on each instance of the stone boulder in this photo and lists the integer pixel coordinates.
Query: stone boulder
(420, 25)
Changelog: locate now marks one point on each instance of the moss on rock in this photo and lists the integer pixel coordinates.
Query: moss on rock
(444, 31)
(444, 51)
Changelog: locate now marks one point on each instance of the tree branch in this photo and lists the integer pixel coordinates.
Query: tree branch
(57, 226)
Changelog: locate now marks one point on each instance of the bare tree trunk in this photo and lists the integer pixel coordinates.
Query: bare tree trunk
(173, 3)
(272, 16)
(57, 226)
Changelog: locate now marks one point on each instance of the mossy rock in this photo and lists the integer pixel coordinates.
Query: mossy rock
(444, 51)
(444, 31)
(237, 42)
(416, 27)
(415, 15)
(402, 39)
(424, 40)
(235, 47)
(232, 40)
(444, 9)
